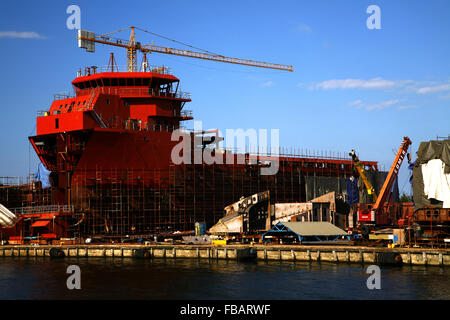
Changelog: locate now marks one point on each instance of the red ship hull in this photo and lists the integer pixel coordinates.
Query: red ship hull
(109, 150)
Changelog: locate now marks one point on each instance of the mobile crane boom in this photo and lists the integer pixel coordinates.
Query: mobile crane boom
(393, 173)
(362, 174)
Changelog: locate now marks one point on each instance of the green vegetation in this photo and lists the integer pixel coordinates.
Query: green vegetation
(405, 198)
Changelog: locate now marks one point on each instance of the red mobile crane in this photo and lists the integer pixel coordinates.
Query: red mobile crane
(393, 173)
(373, 216)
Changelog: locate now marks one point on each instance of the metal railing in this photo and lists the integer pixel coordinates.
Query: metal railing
(64, 95)
(87, 71)
(42, 209)
(186, 114)
(122, 91)
(42, 113)
(17, 181)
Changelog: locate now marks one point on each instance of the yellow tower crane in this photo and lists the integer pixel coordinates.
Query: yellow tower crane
(87, 40)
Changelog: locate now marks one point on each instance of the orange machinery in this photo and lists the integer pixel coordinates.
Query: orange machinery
(392, 175)
(377, 214)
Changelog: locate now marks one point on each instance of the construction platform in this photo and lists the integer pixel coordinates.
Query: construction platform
(333, 254)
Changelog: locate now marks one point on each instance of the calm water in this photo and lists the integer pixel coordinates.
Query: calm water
(40, 278)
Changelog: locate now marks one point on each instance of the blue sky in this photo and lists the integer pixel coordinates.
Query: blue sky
(352, 88)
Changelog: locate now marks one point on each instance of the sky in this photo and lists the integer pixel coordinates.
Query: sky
(352, 87)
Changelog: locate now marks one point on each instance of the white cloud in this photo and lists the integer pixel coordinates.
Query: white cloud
(376, 83)
(381, 105)
(268, 84)
(411, 86)
(303, 28)
(355, 103)
(425, 90)
(21, 35)
(376, 106)
(407, 107)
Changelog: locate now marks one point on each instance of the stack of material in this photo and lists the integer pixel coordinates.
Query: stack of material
(286, 211)
(231, 223)
(431, 175)
(7, 218)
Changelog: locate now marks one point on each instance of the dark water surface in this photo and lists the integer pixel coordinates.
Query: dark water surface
(117, 278)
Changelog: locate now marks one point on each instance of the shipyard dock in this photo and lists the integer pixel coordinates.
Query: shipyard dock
(332, 254)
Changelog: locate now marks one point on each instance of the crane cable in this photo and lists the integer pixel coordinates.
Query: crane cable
(107, 34)
(176, 41)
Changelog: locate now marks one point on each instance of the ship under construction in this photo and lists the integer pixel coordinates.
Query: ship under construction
(108, 148)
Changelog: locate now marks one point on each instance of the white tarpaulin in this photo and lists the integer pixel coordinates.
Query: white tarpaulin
(436, 182)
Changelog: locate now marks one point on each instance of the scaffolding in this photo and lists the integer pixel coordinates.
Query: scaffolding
(125, 202)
